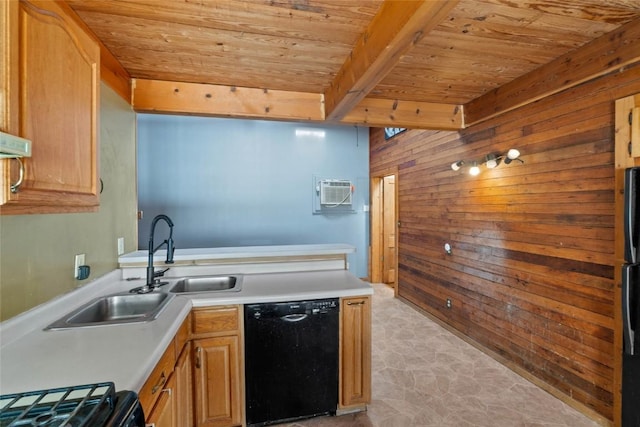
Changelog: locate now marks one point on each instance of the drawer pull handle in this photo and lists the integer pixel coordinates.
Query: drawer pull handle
(15, 187)
(198, 350)
(355, 303)
(159, 384)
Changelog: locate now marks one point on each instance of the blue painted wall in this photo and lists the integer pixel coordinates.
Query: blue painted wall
(230, 182)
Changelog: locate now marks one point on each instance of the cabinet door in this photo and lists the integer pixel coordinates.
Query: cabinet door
(182, 372)
(58, 69)
(9, 76)
(163, 413)
(217, 382)
(355, 357)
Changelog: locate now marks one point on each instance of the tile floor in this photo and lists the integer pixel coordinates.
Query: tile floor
(425, 376)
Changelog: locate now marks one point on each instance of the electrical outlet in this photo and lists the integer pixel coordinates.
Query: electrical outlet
(120, 245)
(79, 260)
(448, 302)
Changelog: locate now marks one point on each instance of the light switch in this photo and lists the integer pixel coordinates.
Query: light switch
(120, 245)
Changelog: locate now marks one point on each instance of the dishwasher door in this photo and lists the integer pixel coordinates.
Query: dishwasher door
(291, 360)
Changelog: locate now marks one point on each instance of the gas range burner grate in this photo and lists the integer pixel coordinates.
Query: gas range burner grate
(77, 406)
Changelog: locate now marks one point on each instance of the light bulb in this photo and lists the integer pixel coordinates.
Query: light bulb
(491, 162)
(474, 170)
(512, 154)
(456, 165)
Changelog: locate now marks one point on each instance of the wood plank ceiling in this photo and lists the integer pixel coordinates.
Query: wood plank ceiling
(432, 64)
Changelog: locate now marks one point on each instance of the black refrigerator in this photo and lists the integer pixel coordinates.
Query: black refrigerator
(631, 301)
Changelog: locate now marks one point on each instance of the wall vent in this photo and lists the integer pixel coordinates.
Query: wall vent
(335, 192)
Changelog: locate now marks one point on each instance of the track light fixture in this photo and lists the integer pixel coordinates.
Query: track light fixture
(491, 161)
(457, 165)
(512, 155)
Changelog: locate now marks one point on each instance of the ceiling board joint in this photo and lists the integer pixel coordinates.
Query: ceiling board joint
(396, 28)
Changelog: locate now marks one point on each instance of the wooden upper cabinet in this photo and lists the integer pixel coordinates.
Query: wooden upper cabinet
(56, 66)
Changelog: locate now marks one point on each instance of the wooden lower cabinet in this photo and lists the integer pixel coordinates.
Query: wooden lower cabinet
(184, 387)
(204, 385)
(164, 413)
(156, 384)
(166, 395)
(355, 352)
(218, 372)
(218, 382)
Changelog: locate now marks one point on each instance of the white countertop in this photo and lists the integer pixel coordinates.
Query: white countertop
(193, 254)
(33, 359)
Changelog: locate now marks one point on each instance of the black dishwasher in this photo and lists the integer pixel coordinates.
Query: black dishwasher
(291, 360)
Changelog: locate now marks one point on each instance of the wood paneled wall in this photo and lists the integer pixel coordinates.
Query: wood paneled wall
(531, 273)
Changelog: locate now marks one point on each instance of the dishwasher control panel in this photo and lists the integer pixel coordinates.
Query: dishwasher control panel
(324, 304)
(309, 307)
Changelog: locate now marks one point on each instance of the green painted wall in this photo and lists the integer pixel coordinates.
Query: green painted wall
(37, 251)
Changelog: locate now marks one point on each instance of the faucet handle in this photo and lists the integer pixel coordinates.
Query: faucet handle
(160, 273)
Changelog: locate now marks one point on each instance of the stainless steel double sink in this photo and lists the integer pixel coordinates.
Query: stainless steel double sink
(133, 307)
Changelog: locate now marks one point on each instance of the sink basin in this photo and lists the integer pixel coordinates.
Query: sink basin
(115, 309)
(207, 284)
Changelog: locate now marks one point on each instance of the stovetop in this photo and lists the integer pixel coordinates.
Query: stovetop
(75, 406)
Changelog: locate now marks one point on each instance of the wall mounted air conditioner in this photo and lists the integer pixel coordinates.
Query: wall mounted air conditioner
(335, 192)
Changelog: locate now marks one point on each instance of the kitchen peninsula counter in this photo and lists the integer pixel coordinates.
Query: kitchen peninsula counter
(197, 256)
(243, 259)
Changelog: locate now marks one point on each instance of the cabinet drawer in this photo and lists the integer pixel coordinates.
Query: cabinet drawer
(156, 382)
(215, 321)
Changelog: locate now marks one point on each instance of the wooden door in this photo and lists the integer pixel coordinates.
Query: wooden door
(389, 230)
(355, 352)
(163, 413)
(217, 382)
(375, 252)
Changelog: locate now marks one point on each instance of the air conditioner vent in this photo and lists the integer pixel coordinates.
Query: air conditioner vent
(335, 192)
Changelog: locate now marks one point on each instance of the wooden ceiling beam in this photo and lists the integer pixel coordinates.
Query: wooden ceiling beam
(395, 29)
(113, 74)
(159, 96)
(407, 114)
(608, 53)
(225, 101)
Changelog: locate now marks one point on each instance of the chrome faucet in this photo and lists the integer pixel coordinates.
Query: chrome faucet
(152, 275)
